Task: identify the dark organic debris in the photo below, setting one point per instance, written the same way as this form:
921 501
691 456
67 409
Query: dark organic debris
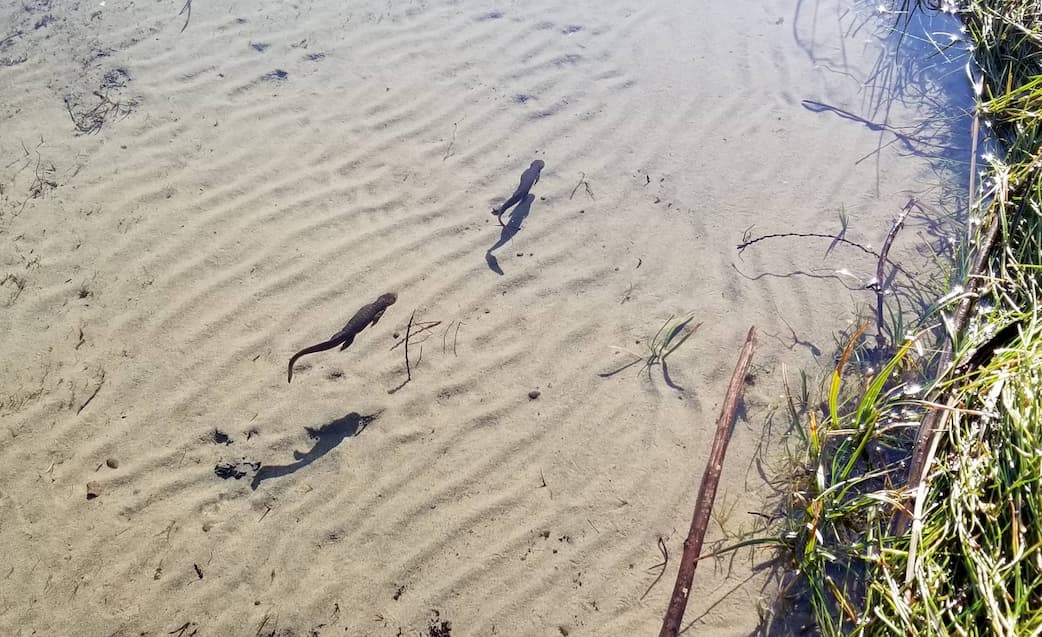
570 59
237 470
275 76
438 628
115 78
91 120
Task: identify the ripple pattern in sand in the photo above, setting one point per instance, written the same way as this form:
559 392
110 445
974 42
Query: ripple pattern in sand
284 165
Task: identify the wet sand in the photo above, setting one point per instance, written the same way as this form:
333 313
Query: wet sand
182 210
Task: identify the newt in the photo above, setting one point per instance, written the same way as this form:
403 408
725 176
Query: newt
528 179
366 316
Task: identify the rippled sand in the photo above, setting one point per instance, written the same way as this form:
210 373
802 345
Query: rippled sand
181 211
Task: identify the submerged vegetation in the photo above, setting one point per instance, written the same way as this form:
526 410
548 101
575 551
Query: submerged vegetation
917 505
670 336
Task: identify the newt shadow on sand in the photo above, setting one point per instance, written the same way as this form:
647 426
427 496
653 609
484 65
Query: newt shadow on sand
529 178
327 438
512 227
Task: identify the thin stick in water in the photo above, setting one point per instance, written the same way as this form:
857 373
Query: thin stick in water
408 329
187 8
707 492
880 287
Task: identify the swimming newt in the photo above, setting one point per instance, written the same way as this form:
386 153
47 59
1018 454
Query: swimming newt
528 179
366 316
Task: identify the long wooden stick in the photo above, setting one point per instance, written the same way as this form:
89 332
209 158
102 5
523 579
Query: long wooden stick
707 492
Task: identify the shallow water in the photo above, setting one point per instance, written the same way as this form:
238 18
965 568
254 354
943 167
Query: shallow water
187 200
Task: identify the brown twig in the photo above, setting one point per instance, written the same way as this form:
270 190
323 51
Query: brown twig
836 238
582 182
95 393
746 241
186 8
880 287
445 337
448 151
408 364
408 329
707 492
421 328
664 564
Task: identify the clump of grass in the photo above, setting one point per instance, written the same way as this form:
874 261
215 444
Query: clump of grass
840 502
673 333
970 561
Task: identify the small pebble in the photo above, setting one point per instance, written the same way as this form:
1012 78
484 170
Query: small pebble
520 254
93 490
112 463
532 395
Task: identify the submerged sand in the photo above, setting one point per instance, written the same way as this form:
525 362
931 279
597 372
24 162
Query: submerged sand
183 209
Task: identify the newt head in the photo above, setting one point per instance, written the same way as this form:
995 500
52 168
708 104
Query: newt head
387 299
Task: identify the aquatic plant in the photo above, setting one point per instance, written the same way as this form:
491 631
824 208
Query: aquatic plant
673 333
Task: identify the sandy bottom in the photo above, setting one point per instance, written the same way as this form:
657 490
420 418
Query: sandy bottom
182 210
